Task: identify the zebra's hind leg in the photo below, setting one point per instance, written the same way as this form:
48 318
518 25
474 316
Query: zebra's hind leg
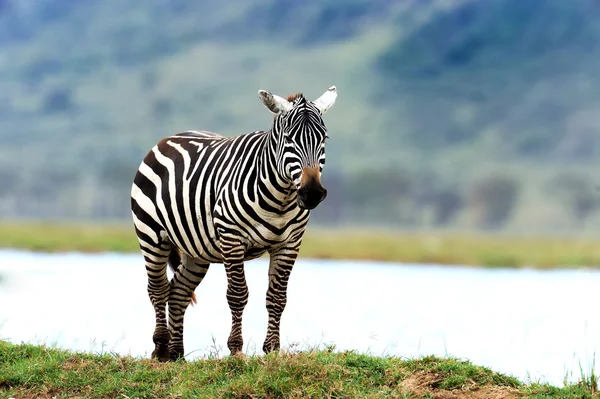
158 290
186 278
280 266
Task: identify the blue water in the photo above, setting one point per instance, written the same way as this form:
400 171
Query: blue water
537 325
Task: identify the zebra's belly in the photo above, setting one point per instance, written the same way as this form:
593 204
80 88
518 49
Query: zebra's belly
254 253
206 247
196 238
264 238
257 237
217 257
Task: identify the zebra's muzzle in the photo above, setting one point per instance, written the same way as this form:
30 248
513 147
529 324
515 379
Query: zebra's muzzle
311 191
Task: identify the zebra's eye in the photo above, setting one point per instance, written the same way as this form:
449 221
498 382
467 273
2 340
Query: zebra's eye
287 138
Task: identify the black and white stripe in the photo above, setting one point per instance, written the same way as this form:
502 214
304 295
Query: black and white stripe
200 198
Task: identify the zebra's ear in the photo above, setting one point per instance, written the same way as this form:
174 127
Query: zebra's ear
274 103
327 100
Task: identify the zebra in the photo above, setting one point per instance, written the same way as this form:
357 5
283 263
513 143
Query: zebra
199 198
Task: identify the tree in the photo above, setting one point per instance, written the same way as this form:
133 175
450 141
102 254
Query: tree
576 193
493 199
446 205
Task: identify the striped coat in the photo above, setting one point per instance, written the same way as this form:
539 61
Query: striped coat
200 198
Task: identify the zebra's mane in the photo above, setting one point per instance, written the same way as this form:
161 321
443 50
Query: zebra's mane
293 97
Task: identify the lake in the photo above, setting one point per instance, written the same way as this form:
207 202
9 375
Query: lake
532 324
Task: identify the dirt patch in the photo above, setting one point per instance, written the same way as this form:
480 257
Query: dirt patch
424 383
49 393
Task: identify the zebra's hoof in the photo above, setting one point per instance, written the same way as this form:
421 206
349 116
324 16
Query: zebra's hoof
176 354
177 358
161 353
236 350
238 355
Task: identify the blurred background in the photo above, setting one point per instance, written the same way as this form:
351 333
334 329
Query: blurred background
453 114
454 118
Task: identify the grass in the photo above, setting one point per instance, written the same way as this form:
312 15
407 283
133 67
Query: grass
39 371
485 250
59 237
589 378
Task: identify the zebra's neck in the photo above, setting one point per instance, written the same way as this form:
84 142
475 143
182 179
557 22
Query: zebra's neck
272 184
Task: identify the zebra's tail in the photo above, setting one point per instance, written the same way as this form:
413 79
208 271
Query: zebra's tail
174 262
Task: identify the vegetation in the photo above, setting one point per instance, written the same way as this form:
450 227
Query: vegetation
37 371
51 237
451 113
488 250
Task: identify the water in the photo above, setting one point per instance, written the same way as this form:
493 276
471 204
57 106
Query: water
535 325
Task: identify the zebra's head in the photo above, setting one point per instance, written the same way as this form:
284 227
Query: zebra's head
301 134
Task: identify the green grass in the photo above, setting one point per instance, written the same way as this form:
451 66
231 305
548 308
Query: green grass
59 237
38 371
485 250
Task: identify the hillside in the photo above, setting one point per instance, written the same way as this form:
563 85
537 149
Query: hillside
519 75
31 371
451 113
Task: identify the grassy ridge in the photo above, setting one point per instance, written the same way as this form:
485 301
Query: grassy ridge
37 371
444 248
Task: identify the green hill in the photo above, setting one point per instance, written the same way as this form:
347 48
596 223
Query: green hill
34 371
451 113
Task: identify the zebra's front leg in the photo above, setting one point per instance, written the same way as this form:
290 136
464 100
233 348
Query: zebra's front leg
280 266
185 280
237 292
